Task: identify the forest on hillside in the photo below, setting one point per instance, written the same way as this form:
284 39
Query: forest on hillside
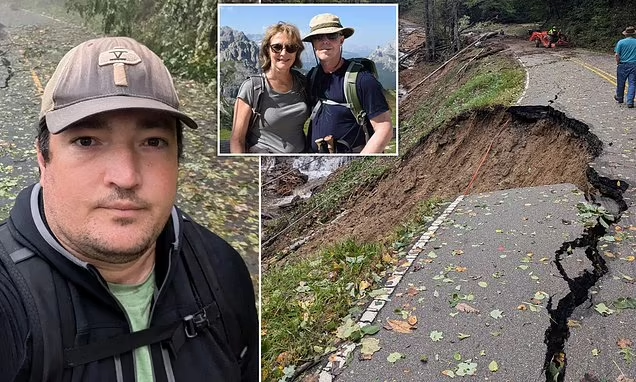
594 24
184 31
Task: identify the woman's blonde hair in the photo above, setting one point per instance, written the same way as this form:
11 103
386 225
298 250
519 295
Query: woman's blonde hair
292 33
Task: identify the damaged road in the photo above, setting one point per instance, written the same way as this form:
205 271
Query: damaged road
524 284
502 273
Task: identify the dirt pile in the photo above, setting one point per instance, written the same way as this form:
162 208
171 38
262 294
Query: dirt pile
478 152
519 147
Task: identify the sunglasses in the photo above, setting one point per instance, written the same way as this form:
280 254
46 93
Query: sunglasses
277 48
329 36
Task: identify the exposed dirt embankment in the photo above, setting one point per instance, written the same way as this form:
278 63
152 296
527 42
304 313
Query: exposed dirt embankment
501 148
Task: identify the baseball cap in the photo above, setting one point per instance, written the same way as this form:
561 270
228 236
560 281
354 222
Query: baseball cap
105 74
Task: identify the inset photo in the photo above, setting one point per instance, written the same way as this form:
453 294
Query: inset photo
307 79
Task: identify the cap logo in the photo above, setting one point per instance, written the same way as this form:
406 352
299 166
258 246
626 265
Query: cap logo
119 58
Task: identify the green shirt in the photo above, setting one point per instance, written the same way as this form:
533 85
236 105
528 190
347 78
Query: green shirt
137 300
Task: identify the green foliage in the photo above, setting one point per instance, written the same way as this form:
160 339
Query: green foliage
589 214
359 175
180 31
486 89
495 82
303 303
486 10
117 16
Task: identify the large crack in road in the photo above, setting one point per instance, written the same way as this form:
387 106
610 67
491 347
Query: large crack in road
557 334
9 70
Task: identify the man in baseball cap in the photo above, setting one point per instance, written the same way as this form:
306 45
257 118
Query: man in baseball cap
625 53
101 276
332 117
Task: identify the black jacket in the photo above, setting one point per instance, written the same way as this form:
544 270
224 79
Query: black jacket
87 313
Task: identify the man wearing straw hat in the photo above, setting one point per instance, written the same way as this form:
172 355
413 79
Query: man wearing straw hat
626 67
332 115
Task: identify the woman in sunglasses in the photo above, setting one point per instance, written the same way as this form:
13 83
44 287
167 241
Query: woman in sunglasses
271 109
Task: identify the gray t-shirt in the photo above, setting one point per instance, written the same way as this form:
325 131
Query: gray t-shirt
283 116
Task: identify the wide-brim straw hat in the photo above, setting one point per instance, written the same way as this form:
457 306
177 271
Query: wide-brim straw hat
326 23
629 31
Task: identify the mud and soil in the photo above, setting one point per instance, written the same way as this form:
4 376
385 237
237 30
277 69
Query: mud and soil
524 153
521 150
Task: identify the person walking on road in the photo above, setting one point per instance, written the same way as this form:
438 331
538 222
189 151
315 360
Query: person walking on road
102 278
626 66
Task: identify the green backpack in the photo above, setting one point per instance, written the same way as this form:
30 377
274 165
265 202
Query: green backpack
353 103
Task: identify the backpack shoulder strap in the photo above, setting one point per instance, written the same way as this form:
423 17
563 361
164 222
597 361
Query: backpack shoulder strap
353 99
258 86
351 91
311 79
302 79
21 263
203 273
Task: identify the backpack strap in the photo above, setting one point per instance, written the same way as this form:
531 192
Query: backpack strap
352 100
11 252
258 84
351 96
203 273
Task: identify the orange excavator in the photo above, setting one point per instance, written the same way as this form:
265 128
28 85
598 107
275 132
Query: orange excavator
549 40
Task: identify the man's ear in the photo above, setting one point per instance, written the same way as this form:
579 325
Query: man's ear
41 161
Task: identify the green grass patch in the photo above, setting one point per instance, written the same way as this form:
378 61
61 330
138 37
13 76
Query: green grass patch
489 88
225 134
416 223
303 303
498 81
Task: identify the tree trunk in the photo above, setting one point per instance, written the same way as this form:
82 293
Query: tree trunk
455 12
431 32
427 28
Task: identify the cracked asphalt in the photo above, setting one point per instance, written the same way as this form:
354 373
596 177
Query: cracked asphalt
496 252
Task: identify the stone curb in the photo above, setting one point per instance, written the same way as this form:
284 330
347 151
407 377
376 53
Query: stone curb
338 360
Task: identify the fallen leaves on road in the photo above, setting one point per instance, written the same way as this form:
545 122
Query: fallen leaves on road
496 313
369 347
393 357
449 373
493 366
436 336
603 309
625 303
466 368
624 343
400 326
463 307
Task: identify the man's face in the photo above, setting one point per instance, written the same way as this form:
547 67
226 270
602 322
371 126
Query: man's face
328 46
110 184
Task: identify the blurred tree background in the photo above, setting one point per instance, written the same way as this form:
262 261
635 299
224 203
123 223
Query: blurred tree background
182 32
594 24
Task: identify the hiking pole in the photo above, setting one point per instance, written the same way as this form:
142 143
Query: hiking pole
330 144
320 142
